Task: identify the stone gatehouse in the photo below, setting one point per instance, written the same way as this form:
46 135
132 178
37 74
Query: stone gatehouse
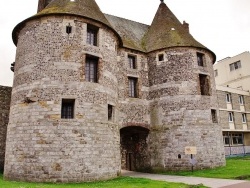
94 93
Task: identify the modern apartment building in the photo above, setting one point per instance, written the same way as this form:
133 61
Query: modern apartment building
232 78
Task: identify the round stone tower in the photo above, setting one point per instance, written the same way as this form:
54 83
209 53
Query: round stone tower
62 126
183 97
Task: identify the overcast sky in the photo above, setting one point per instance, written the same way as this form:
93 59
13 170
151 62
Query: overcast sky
221 25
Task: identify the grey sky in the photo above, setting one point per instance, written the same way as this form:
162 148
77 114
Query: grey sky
221 25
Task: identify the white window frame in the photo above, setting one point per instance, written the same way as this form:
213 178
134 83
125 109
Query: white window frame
230 116
244 118
228 98
241 100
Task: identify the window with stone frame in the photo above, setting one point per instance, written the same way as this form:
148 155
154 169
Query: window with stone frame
200 59
92 33
110 112
215 73
228 98
132 84
214 116
226 138
244 118
230 116
241 99
67 108
91 69
204 84
132 61
235 65
161 57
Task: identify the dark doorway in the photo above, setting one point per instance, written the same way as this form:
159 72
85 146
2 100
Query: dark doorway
134 149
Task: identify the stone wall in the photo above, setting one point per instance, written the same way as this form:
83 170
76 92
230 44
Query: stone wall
41 146
5 96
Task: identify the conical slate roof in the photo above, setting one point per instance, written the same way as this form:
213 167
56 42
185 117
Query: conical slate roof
85 8
167 31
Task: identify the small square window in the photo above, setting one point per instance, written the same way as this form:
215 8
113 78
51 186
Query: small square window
214 116
200 59
160 57
92 35
132 61
110 112
67 110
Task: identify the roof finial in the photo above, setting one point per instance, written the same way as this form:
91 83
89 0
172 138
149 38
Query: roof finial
162 1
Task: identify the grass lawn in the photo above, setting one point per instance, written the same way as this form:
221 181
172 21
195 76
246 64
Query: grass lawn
236 168
121 182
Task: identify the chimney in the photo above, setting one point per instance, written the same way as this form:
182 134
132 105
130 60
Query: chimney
42 4
186 26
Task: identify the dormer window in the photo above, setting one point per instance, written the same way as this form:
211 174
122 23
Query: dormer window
92 32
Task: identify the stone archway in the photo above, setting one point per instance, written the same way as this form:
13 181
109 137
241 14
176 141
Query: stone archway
134 148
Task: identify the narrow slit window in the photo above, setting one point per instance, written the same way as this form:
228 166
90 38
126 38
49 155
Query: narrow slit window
230 117
91 66
228 98
132 87
214 116
67 110
110 112
241 99
244 118
68 29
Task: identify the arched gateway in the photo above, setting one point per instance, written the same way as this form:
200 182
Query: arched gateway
134 148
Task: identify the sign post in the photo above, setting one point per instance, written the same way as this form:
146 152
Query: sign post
191 150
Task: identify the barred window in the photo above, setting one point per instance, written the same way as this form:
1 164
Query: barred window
92 35
91 66
132 87
132 62
67 110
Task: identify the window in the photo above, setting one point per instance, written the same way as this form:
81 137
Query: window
91 66
68 29
215 72
110 112
132 87
67 111
228 97
235 65
92 35
131 61
226 139
204 84
230 117
200 57
160 57
237 139
214 116
241 99
244 118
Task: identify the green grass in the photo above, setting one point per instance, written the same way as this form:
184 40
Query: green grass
121 182
236 168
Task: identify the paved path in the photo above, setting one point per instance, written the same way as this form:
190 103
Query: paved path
210 182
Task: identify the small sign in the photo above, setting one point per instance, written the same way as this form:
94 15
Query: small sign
190 150
193 161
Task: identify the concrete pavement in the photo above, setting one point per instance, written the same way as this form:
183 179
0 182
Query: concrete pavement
210 182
